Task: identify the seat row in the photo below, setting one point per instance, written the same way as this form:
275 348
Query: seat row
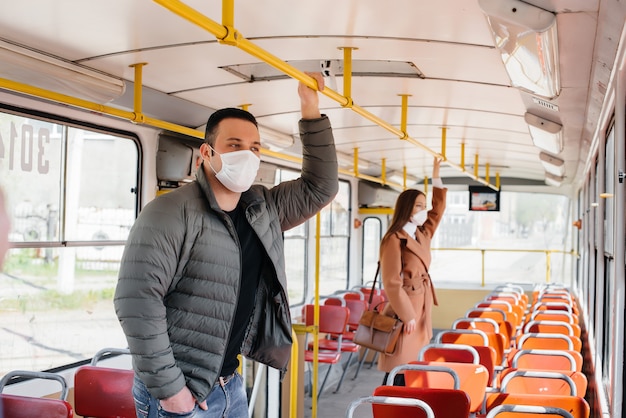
99 392
339 316
503 357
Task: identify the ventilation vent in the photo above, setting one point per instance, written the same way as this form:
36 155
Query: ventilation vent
546 104
371 68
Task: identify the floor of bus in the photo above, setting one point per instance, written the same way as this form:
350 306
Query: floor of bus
336 404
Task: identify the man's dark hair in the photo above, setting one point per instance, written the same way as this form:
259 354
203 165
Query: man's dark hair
219 115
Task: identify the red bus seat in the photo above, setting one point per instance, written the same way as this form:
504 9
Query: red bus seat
14 406
447 403
102 392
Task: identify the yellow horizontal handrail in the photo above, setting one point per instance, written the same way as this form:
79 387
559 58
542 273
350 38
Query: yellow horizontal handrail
231 36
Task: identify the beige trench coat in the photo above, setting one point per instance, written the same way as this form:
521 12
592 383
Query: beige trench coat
404 262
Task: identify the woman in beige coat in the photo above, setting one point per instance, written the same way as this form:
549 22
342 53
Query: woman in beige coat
404 260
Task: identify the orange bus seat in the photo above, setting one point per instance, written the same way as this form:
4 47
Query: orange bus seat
531 379
537 382
16 406
461 353
514 313
447 403
470 378
474 337
527 411
537 359
553 327
487 324
553 315
458 353
548 341
575 405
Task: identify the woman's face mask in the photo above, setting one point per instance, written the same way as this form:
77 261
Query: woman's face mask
239 169
420 217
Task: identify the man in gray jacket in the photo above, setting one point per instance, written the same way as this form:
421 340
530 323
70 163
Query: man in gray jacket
202 278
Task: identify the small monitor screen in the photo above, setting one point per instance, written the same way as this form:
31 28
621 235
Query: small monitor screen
484 198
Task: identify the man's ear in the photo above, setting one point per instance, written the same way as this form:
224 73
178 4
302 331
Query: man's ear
204 150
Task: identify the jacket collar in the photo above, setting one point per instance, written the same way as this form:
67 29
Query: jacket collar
411 244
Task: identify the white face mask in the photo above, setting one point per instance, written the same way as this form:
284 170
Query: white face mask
420 217
239 169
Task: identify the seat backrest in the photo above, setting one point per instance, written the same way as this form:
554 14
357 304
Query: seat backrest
26 407
532 381
493 313
470 378
549 341
474 337
499 315
459 353
527 411
104 392
553 315
575 405
538 382
538 359
15 406
554 327
447 403
353 294
356 307
553 306
487 324
332 319
421 408
514 313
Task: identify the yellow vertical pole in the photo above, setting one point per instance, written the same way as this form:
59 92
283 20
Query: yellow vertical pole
404 178
316 317
137 90
482 269
463 156
347 71
476 165
356 162
548 266
497 180
228 13
383 170
425 184
294 375
443 141
404 113
487 172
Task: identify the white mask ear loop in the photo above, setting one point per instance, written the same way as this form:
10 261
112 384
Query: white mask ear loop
213 152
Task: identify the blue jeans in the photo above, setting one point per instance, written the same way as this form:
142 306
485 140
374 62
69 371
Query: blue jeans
227 401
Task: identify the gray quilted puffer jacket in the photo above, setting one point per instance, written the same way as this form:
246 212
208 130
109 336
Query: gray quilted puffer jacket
179 276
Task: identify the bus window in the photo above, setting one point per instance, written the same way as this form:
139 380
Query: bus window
517 235
296 252
334 241
372 235
72 196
